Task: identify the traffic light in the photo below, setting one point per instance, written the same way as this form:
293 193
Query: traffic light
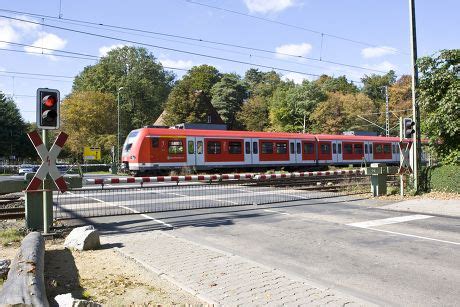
48 108
409 129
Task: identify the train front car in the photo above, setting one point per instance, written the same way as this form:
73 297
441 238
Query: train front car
132 153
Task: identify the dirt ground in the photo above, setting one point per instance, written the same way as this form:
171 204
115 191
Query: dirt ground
103 276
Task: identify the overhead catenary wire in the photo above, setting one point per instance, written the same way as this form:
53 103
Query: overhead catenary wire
86 23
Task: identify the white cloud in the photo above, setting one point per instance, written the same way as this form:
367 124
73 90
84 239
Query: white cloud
49 41
384 66
283 52
7 33
105 49
295 77
14 30
177 64
268 6
375 52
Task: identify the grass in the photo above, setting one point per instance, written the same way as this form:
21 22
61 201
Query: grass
10 235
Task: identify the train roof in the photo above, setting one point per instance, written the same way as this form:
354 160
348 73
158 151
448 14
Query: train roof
269 135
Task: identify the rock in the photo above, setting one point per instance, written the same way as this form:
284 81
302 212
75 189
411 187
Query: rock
83 238
66 300
4 268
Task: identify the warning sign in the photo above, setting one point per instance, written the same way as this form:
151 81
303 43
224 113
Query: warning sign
91 153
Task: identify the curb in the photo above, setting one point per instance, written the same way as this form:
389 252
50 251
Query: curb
25 284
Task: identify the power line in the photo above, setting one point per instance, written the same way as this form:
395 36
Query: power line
86 23
32 78
39 53
291 25
33 74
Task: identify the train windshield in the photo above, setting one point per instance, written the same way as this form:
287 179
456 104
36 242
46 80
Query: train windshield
130 140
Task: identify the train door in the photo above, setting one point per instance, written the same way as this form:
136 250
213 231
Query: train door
368 155
255 151
247 152
298 151
199 151
339 158
191 149
292 152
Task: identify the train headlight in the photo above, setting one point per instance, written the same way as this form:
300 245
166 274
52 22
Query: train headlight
133 157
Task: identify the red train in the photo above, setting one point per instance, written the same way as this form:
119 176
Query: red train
147 150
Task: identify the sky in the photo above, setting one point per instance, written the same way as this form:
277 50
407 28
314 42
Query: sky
300 39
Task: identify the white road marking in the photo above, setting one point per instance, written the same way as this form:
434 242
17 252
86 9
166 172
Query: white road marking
126 208
414 236
391 220
182 195
279 212
227 201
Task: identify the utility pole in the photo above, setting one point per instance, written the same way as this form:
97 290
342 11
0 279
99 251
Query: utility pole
387 113
415 108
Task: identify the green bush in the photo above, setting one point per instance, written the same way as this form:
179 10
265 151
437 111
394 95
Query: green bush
445 178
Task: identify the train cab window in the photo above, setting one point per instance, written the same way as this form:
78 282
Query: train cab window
247 147
281 148
155 142
308 148
214 148
378 148
325 148
387 148
267 147
175 147
365 148
299 148
128 147
291 147
234 147
334 148
191 147
347 148
339 148
255 148
358 148
199 147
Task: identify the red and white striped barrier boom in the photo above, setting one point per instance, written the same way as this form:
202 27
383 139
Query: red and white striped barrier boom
200 178
48 162
190 178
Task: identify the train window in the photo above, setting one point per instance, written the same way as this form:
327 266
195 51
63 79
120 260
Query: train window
387 148
247 146
255 148
155 142
365 148
394 148
370 148
281 148
397 149
291 147
199 147
299 148
267 147
334 148
308 148
347 148
128 147
358 148
175 147
340 148
378 148
325 148
191 147
214 148
234 147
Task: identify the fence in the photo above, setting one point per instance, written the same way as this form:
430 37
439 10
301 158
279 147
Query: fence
157 194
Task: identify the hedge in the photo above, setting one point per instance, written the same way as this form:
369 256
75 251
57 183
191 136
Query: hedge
445 178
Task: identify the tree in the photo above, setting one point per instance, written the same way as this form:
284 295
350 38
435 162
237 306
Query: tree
400 100
291 106
338 113
227 98
145 83
254 114
439 98
190 99
13 131
339 84
374 85
90 117
262 83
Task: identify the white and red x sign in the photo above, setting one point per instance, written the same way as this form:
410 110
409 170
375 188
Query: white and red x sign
404 167
49 162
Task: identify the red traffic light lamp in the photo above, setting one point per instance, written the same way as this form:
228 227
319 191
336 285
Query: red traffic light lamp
409 128
48 108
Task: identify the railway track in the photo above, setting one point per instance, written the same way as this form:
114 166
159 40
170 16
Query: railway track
12 213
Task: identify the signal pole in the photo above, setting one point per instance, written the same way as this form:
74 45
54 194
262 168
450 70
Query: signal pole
415 107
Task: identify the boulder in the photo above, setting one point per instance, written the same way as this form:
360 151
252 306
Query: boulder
4 268
66 300
83 238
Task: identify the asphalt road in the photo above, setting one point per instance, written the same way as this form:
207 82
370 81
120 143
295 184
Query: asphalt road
413 260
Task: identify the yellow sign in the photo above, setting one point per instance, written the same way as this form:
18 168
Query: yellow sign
91 153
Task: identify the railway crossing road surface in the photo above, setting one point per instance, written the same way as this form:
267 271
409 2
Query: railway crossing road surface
336 251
